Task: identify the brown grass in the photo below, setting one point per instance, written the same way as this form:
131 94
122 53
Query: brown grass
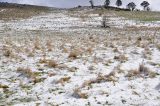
121 58
63 80
30 74
51 74
142 71
74 53
49 45
7 52
43 60
15 13
31 53
26 71
78 94
110 77
4 86
52 63
37 44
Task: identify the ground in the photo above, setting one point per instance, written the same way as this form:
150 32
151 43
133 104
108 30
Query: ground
65 58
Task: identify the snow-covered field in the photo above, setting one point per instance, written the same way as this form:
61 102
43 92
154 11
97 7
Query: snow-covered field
67 59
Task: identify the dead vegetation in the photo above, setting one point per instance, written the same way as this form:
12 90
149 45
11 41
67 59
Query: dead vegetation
4 86
75 53
78 94
101 78
12 12
63 80
69 60
52 63
49 45
34 76
142 71
121 58
7 52
26 71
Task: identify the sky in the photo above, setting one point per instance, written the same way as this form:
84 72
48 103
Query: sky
154 4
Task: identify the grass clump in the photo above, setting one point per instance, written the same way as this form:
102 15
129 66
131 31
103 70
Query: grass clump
52 64
74 54
26 71
142 71
78 94
34 76
4 86
140 15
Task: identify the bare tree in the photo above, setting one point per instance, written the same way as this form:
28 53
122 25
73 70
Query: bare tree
104 22
145 4
131 6
92 4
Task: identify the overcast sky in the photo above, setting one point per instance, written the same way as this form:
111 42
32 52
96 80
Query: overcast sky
154 4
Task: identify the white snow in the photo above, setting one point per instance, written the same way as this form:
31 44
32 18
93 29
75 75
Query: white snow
67 33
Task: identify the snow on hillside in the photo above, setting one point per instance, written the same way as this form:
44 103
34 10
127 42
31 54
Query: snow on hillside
57 59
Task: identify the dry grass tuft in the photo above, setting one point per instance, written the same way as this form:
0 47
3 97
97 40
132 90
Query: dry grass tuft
72 69
74 54
142 71
43 60
31 54
133 73
146 71
78 94
139 38
65 50
89 50
121 58
158 46
62 66
91 67
30 74
7 51
100 78
37 44
116 50
49 45
52 63
26 71
153 74
51 74
63 80
3 86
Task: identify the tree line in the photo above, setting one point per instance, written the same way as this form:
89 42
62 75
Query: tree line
131 5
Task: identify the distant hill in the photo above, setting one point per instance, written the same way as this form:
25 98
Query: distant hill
13 11
13 5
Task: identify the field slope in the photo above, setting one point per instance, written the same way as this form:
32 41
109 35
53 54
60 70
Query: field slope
64 57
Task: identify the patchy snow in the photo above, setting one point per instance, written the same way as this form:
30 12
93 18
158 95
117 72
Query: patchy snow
40 70
63 22
2 10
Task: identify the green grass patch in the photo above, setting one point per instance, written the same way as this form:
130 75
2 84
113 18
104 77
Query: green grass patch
16 13
140 15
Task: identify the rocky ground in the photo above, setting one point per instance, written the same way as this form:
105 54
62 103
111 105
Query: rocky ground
65 58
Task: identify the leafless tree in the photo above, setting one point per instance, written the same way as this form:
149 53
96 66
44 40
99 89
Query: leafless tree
104 22
92 4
